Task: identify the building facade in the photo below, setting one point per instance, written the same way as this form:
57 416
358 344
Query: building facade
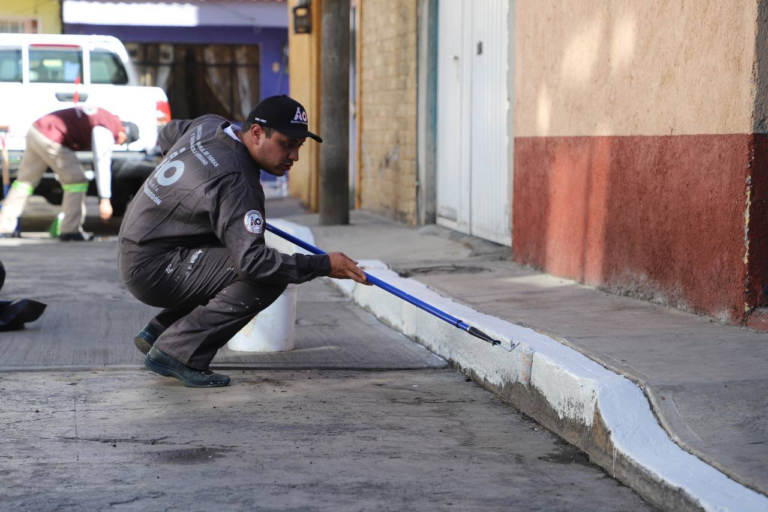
42 17
639 162
620 144
304 69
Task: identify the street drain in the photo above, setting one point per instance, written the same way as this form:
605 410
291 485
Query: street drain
440 269
187 457
566 454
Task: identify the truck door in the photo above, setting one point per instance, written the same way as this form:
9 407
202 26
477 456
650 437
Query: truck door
12 93
109 88
55 79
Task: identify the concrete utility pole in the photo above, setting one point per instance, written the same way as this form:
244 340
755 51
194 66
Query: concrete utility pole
334 113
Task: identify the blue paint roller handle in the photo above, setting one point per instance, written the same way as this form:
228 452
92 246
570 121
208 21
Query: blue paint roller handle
394 291
372 279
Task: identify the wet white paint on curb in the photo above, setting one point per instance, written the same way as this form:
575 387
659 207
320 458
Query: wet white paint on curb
573 384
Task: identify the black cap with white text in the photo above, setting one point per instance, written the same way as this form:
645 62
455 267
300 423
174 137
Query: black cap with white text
283 114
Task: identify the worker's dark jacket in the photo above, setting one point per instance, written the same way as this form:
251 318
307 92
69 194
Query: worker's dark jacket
206 192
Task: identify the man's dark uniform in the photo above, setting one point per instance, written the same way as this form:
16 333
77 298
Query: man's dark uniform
193 242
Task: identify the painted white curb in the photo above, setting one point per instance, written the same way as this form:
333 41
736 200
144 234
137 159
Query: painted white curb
282 245
573 384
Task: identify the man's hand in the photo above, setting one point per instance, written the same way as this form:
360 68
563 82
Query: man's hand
105 209
344 268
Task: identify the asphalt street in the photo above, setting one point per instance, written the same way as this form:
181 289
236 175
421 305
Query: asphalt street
356 418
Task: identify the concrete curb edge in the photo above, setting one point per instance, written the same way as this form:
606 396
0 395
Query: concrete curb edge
602 413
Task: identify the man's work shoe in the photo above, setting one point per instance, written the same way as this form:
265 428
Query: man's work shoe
79 236
165 365
146 338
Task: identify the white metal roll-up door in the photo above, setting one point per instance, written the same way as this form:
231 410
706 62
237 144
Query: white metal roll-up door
473 176
490 206
452 102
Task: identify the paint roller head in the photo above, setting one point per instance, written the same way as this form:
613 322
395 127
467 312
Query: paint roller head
506 347
480 334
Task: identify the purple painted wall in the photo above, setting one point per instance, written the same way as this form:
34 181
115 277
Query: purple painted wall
271 40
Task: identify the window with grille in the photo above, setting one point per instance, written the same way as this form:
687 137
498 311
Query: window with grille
19 26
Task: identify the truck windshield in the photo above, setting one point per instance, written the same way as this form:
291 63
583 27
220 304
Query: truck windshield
10 64
106 68
55 64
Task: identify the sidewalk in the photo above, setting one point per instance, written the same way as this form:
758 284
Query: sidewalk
706 382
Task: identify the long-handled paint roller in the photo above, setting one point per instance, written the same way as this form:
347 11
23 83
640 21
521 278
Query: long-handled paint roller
442 315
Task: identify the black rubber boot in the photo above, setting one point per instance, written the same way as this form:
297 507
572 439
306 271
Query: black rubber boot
146 338
165 365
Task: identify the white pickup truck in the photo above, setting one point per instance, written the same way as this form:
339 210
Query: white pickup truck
42 73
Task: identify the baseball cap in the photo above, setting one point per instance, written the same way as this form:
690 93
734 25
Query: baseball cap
283 114
131 131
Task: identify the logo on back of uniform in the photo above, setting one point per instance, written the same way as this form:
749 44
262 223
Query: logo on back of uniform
300 117
254 222
164 178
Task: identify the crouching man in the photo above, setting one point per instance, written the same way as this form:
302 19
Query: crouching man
193 239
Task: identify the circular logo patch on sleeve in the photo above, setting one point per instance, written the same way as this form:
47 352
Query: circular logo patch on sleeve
254 222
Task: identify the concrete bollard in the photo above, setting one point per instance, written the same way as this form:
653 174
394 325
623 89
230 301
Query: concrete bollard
273 330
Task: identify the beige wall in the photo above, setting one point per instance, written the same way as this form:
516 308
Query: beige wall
642 67
388 108
304 69
47 13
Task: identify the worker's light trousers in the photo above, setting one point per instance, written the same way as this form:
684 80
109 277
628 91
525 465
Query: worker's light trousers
41 153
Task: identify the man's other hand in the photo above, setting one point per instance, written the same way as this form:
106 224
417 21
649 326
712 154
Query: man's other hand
344 268
105 209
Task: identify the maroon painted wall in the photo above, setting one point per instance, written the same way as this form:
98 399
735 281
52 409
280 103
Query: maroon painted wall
657 217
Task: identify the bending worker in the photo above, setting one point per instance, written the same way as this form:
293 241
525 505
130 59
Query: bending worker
51 142
193 239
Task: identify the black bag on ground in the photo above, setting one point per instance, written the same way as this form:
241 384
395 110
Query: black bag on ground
14 314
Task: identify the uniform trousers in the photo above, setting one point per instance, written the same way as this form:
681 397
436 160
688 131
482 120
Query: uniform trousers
39 154
205 301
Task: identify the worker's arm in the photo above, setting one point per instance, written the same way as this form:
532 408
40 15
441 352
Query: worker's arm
102 140
172 132
237 216
344 267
